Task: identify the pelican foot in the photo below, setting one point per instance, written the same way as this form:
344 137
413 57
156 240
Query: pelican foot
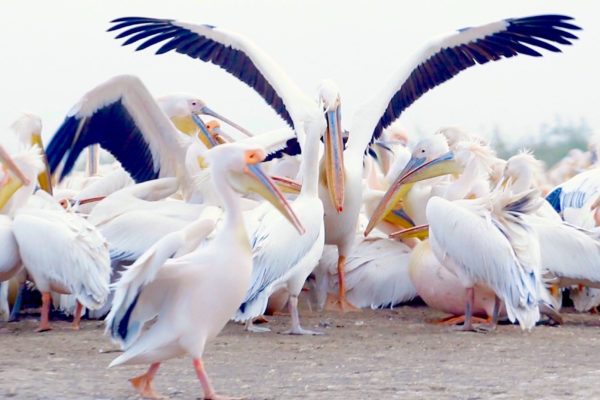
341 305
479 328
258 329
144 387
457 320
301 331
261 319
43 328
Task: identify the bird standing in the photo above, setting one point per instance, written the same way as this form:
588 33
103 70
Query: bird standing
192 299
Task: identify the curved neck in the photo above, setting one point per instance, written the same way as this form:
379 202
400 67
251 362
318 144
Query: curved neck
310 164
523 182
233 223
461 188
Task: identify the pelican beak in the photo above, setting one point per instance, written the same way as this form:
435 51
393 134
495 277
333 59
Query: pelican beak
220 136
207 111
334 157
419 232
287 185
185 124
11 184
44 180
399 217
416 170
258 182
205 136
6 159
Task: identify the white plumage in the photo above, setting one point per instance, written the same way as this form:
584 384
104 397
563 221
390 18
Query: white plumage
502 254
376 273
194 295
73 258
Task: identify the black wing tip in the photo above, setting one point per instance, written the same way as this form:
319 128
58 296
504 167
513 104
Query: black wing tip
130 19
552 19
120 23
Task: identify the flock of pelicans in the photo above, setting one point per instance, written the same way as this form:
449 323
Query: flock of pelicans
178 225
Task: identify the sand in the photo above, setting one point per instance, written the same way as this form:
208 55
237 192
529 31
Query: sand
384 354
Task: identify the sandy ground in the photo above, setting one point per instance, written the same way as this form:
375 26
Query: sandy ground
386 354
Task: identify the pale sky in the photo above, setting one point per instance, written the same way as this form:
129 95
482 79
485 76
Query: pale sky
54 51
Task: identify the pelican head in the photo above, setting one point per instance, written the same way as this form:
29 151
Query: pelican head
185 111
329 98
240 162
28 128
430 158
214 128
523 170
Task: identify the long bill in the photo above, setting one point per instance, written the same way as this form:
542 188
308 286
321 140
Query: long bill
287 185
416 170
205 136
44 180
207 111
419 232
262 185
12 183
334 158
398 217
217 133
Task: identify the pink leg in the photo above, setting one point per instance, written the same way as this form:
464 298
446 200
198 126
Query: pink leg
143 383
468 325
209 391
44 318
77 316
341 303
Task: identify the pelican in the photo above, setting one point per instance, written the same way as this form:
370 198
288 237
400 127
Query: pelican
192 299
282 259
74 258
570 255
578 199
437 62
122 116
28 128
10 260
436 285
376 271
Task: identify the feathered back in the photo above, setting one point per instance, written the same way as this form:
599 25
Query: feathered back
482 153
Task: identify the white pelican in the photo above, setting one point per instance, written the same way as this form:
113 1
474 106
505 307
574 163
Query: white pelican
503 254
569 255
437 62
133 218
503 239
28 128
578 199
10 260
435 284
192 299
122 116
281 257
376 274
74 258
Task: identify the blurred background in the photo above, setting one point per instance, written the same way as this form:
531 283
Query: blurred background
53 52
